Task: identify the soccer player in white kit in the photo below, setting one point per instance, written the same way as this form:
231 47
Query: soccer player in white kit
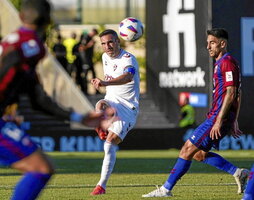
121 79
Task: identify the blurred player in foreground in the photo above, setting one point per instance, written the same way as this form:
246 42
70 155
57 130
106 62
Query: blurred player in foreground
121 74
249 191
221 119
20 51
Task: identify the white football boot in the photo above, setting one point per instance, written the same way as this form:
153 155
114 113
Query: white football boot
241 176
159 192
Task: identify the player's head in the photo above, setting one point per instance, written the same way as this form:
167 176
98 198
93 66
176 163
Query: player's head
110 42
35 12
220 33
217 40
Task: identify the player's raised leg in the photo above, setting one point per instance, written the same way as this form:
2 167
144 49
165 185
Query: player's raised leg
101 106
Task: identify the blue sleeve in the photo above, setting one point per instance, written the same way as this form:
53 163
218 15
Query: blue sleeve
129 69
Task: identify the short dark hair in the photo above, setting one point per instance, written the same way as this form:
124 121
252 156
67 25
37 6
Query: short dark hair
95 31
59 37
36 12
220 33
107 32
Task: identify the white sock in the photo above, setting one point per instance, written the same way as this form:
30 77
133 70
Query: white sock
163 188
237 172
108 163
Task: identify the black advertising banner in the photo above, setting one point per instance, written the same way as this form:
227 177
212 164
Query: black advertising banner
87 140
177 59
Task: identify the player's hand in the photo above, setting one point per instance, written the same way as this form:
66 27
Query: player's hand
17 119
96 82
236 132
215 131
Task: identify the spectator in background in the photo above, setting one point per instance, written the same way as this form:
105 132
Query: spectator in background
89 50
80 64
69 44
84 59
187 112
60 52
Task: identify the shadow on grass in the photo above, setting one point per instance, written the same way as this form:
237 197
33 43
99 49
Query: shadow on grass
132 165
78 164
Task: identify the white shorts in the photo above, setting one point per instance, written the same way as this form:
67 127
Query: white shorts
126 119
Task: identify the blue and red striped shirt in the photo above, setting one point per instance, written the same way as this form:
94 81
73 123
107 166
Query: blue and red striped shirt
226 73
20 51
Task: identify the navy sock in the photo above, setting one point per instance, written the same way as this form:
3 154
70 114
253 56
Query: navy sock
249 192
30 186
219 162
180 168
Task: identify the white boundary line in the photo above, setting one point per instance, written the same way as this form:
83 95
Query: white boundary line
124 185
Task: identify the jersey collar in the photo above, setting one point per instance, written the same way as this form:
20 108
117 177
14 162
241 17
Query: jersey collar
218 61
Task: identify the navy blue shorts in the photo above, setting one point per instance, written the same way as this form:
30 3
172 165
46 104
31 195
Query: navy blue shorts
201 135
15 144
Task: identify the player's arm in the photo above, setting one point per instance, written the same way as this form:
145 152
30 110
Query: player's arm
228 100
41 101
236 132
126 77
8 59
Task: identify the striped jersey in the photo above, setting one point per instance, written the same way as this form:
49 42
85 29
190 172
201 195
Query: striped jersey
20 51
226 73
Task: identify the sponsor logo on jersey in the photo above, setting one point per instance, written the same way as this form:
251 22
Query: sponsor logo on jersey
30 48
229 76
127 55
114 67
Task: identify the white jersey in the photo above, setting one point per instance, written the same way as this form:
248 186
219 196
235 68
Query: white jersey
126 94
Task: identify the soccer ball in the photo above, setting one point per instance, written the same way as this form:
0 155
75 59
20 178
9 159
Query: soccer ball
131 29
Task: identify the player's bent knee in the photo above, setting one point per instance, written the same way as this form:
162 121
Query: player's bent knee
188 150
101 105
36 162
199 156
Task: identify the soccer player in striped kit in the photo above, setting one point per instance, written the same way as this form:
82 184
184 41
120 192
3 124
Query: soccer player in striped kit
20 52
221 119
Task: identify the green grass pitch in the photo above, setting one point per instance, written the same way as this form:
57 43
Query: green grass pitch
135 173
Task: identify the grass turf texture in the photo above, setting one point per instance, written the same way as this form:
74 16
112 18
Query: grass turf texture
135 173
